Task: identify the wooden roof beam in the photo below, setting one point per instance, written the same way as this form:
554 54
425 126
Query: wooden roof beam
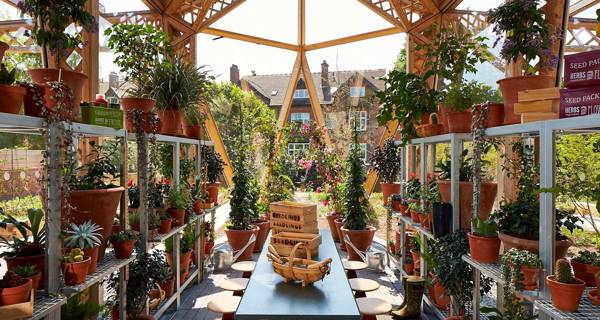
380 12
580 6
430 6
206 5
252 39
448 5
215 17
354 38
398 8
155 5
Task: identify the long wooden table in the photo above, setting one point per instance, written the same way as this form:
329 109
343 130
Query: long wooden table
268 297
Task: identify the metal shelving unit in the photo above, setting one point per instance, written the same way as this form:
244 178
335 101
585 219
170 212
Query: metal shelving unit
106 267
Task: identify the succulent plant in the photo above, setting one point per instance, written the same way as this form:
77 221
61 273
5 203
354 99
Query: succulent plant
7 77
84 235
122 236
11 280
563 271
73 255
26 271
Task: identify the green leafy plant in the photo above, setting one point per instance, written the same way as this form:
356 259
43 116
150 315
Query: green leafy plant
356 199
186 243
526 34
511 263
212 163
98 170
133 194
588 257
462 96
444 165
406 98
195 116
83 236
484 228
50 21
11 280
76 309
243 197
26 271
122 236
179 198
386 160
7 77
413 188
31 240
134 218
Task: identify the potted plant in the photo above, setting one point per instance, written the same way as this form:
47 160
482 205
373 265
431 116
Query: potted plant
75 266
484 244
87 237
179 200
153 222
335 201
123 242
29 272
407 98
14 289
413 189
193 122
409 264
165 278
209 237
461 98
200 197
134 220
415 253
165 223
386 161
356 221
524 268
185 249
399 204
92 195
414 209
28 245
133 194
528 38
12 96
213 166
586 264
565 289
176 86
50 22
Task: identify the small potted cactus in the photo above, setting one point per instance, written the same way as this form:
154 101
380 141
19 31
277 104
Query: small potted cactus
565 289
75 266
29 272
87 237
123 242
14 289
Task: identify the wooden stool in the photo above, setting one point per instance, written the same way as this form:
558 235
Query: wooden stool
246 267
352 266
227 305
371 307
237 285
361 286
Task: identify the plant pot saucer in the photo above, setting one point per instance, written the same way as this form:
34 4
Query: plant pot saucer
594 296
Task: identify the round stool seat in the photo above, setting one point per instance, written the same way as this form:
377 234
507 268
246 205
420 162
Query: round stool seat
244 266
373 306
224 304
235 284
364 285
353 265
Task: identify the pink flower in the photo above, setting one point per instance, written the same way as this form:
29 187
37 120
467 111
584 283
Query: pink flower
318 190
326 203
130 183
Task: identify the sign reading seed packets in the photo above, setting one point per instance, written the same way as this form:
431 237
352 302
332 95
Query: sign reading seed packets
579 102
582 69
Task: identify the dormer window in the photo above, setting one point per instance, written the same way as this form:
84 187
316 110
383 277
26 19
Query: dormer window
357 92
301 94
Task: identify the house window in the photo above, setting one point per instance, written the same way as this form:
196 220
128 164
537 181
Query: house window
296 148
357 92
359 119
301 94
330 121
302 117
362 152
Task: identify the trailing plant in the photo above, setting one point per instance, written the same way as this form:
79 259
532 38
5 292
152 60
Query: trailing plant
50 21
98 170
356 199
212 163
7 78
386 160
83 236
122 236
26 271
406 97
31 238
78 309
527 34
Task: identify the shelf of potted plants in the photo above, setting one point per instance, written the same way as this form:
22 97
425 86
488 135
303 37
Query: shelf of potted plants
107 266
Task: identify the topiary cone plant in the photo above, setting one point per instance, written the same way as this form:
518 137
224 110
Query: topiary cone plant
356 205
565 289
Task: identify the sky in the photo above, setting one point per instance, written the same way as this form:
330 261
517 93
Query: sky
277 20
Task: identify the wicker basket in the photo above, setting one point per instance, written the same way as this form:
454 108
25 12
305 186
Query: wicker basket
284 242
296 269
156 296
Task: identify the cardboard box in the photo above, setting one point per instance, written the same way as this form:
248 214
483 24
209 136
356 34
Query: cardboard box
100 116
579 102
582 69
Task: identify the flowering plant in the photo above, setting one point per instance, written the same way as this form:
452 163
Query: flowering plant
527 34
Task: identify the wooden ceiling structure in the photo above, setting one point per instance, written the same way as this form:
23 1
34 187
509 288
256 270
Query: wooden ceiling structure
183 19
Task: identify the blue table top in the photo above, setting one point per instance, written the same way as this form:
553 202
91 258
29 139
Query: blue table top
268 297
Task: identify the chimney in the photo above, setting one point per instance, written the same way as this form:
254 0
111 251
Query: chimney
324 74
234 74
113 80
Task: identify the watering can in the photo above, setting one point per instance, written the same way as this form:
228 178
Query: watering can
224 257
375 260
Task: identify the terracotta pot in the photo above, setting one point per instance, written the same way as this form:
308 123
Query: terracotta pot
484 249
12 98
178 215
208 246
184 260
495 116
530 277
193 132
404 210
409 268
35 108
392 248
565 296
3 47
331 222
75 80
93 254
35 280
39 261
585 272
429 130
18 294
99 206
388 189
459 122
594 296
171 122
165 226
76 272
396 205
263 232
237 240
440 295
124 249
183 277
414 216
488 196
425 118
361 239
199 206
510 241
339 222
168 286
510 88
443 116
136 227
136 103
115 228
398 235
213 192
